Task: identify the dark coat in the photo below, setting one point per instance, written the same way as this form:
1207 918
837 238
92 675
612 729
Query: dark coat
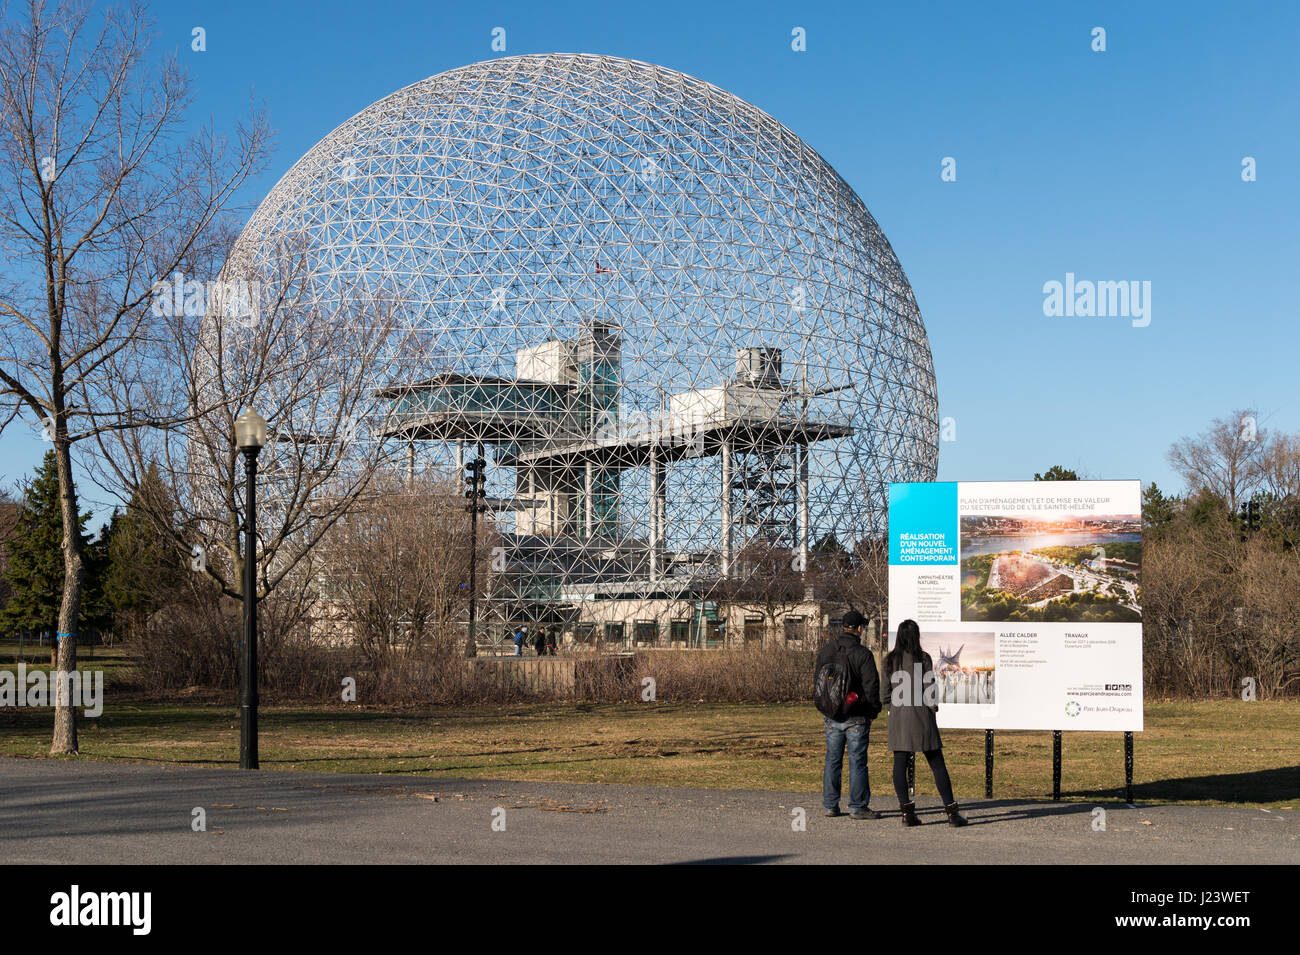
864 679
912 726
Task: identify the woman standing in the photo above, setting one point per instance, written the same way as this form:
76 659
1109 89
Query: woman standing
907 677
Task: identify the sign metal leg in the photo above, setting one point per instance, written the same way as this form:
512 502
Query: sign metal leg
1128 767
1056 765
988 764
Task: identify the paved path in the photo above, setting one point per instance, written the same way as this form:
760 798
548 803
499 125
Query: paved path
100 812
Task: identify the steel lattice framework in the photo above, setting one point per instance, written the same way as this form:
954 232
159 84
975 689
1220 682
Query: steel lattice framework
674 326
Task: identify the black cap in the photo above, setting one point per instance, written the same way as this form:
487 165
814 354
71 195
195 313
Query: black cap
852 620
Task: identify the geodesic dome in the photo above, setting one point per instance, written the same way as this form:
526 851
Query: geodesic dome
673 325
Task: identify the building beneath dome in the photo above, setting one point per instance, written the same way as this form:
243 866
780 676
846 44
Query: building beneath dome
555 428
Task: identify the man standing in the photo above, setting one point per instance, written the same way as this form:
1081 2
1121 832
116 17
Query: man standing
848 695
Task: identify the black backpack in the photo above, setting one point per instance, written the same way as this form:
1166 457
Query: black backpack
831 685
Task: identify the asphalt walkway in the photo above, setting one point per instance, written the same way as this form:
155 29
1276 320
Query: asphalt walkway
67 811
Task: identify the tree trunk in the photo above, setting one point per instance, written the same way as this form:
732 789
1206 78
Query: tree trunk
65 711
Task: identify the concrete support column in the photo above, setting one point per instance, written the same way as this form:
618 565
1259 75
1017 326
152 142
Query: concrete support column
804 521
656 527
410 463
589 513
802 452
460 462
661 503
532 501
726 508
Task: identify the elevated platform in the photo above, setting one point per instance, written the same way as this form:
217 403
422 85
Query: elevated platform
671 439
455 407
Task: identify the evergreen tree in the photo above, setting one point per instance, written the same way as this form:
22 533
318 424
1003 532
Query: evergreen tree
96 611
1207 509
1158 508
34 565
8 520
829 544
1057 473
144 571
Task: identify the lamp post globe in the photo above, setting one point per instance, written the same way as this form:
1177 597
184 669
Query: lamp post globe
250 431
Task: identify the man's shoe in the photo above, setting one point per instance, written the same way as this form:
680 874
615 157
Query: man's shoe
908 809
832 813
955 818
866 814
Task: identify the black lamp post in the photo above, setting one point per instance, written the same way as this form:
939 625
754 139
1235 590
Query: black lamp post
250 437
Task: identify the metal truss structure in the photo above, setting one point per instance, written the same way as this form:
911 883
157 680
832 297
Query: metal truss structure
674 327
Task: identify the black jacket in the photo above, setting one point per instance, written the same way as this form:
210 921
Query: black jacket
864 680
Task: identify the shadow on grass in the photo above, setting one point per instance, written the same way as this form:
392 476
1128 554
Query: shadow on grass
1262 786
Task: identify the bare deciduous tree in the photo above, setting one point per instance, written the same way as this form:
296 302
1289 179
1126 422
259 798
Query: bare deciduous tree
311 368
766 579
1190 587
865 585
1280 466
1225 459
395 570
103 193
1270 625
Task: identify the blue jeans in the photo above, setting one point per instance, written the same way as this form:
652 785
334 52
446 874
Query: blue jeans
853 734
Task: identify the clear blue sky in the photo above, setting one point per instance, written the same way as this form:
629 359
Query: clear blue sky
1122 165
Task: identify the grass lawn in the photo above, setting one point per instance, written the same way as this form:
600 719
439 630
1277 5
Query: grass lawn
1221 752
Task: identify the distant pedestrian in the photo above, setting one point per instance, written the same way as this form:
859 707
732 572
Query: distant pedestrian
539 642
552 640
909 690
847 694
520 635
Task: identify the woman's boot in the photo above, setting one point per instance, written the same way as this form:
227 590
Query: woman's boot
955 819
909 813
